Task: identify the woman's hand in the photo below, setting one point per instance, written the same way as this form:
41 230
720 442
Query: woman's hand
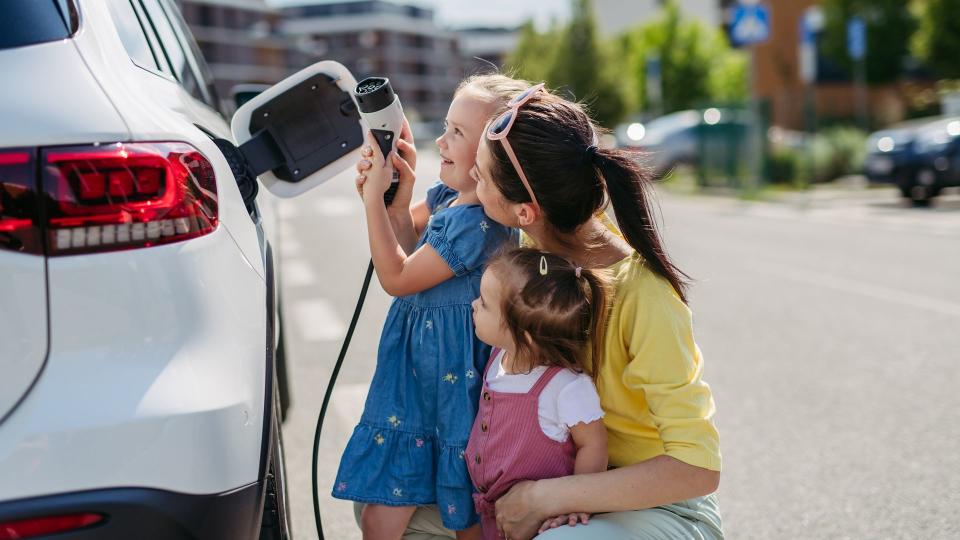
518 515
408 153
559 521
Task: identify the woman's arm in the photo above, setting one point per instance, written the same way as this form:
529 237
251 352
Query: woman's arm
655 482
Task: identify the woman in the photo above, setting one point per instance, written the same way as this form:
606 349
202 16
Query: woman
539 169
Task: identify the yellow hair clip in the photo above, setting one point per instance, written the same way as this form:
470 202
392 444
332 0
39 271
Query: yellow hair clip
543 265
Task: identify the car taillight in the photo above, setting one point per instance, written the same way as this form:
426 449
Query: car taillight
30 528
18 202
126 195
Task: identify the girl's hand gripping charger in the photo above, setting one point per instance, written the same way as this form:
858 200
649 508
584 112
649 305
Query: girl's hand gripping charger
382 113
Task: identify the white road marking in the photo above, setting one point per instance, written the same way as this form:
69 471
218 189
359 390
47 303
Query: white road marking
879 292
348 401
318 321
291 247
896 220
287 209
297 273
337 206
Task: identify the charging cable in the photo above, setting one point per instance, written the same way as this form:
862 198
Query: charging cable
329 392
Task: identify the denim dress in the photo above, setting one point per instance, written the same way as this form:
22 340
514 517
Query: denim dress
408 447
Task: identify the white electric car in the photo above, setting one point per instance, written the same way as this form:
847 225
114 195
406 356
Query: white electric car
140 341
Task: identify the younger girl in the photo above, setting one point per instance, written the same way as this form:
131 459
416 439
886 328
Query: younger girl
408 448
539 414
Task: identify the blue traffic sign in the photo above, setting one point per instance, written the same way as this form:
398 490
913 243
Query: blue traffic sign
856 38
751 24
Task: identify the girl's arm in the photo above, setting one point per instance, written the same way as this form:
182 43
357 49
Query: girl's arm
655 482
409 223
591 442
399 274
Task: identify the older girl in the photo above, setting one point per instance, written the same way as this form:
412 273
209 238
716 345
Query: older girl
407 450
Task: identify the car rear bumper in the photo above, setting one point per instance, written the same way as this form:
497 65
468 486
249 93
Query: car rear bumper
148 514
155 376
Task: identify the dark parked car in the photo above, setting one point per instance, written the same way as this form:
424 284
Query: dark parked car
918 156
938 157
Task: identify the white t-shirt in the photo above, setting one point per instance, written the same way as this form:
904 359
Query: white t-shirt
567 400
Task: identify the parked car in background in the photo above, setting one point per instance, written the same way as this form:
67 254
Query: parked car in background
937 147
918 156
676 138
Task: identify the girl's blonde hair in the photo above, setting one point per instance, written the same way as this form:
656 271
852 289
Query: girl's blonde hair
555 312
496 89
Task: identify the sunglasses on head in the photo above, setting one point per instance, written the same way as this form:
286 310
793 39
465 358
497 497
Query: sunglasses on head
498 129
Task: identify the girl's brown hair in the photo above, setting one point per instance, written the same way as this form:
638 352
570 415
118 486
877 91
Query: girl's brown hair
572 182
554 317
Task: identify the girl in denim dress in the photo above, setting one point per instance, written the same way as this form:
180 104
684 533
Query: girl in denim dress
408 449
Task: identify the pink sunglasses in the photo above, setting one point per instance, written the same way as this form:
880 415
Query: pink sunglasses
498 129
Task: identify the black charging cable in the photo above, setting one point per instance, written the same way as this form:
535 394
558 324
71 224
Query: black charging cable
387 198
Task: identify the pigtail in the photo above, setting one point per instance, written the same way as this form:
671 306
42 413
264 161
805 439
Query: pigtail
597 296
628 187
556 313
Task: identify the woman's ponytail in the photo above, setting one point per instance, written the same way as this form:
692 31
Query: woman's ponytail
629 189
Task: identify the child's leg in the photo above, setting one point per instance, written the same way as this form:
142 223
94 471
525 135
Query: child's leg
380 522
473 533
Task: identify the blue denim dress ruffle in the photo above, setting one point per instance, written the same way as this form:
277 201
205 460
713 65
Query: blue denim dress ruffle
408 447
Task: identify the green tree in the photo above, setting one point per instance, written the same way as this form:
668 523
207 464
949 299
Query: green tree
583 67
534 54
937 41
890 25
696 62
573 60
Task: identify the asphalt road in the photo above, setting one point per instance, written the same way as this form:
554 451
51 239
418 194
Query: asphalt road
829 325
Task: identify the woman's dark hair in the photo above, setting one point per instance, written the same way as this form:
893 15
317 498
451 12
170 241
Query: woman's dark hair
551 309
551 138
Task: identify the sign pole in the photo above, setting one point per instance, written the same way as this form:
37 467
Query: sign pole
751 26
810 25
857 49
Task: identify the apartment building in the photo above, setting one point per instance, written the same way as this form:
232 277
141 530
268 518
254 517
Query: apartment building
615 16
241 42
375 37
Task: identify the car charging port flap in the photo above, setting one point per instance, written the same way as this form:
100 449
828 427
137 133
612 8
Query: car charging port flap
304 129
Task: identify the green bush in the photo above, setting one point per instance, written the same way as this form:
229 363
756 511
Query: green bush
832 153
849 147
783 165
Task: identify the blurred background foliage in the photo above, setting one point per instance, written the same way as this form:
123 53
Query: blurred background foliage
697 63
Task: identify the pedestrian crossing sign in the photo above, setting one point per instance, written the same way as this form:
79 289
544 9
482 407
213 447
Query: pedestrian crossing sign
751 24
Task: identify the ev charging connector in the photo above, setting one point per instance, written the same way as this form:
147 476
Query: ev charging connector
381 112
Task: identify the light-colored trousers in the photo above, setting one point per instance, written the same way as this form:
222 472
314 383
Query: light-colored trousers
697 519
